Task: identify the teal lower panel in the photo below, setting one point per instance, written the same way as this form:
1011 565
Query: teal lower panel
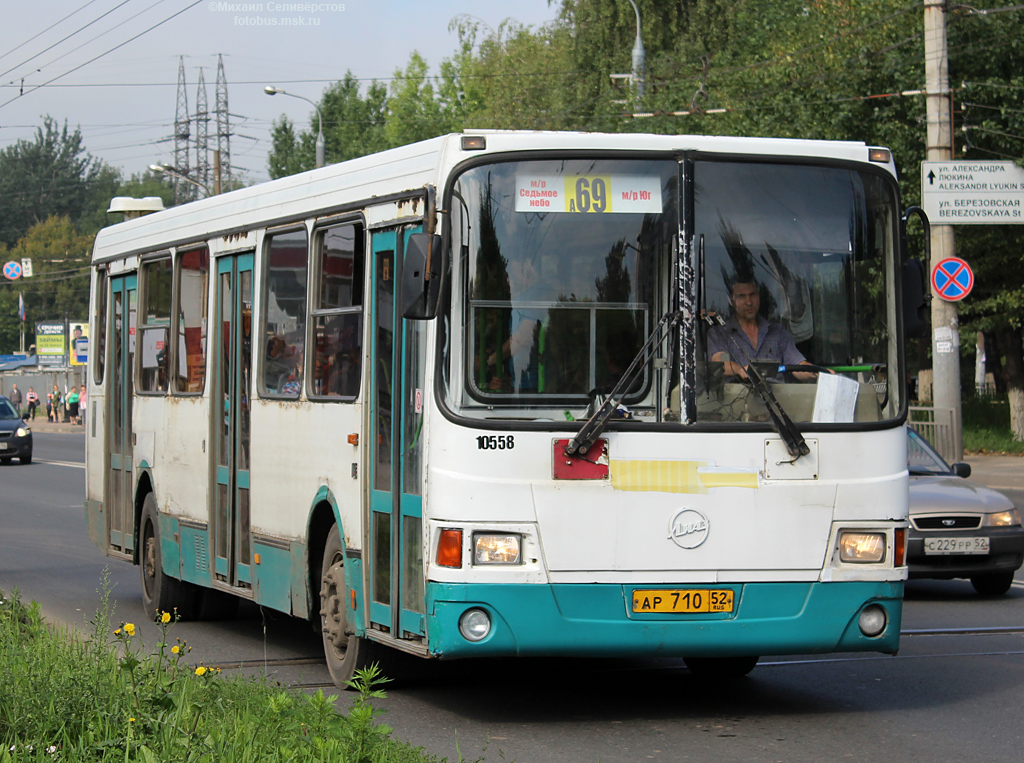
594 620
273 575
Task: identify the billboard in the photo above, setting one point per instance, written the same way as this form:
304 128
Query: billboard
50 343
79 343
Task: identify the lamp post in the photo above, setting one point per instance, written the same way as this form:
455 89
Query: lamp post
638 57
167 169
320 146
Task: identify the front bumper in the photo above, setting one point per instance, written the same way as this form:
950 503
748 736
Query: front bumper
595 620
1006 554
13 446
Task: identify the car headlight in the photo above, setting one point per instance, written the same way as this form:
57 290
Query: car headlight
22 432
1009 518
492 548
861 547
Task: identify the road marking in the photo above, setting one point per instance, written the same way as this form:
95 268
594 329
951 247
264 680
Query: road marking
73 464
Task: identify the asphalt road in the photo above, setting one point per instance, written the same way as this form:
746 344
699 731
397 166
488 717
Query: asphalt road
952 694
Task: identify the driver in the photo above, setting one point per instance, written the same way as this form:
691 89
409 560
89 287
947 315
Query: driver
747 336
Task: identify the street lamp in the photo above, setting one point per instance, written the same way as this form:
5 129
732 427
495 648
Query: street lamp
320 148
638 57
167 169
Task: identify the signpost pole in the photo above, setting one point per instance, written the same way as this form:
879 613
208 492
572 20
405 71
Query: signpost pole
945 324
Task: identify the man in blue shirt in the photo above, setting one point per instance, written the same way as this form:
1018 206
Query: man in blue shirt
746 336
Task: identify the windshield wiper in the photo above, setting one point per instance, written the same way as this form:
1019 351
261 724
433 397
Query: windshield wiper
795 442
593 426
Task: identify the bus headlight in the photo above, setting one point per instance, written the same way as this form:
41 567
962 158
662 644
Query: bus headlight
492 548
861 547
475 625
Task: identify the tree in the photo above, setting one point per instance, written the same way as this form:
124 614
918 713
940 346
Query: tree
50 175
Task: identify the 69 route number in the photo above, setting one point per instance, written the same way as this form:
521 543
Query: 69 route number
495 442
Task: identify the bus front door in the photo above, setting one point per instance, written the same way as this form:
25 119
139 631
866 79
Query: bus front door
231 397
396 414
120 488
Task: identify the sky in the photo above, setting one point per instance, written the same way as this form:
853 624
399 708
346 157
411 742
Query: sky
110 67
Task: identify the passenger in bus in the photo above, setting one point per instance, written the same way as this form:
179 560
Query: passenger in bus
275 369
747 336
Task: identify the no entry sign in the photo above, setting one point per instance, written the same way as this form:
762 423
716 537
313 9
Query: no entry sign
952 279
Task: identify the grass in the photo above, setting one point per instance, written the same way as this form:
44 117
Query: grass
987 426
106 697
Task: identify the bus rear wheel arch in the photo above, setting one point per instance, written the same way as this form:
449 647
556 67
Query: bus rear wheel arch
160 591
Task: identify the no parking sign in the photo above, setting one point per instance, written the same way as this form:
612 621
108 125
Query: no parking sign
952 279
12 270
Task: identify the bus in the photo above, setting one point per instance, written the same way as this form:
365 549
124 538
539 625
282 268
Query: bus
504 393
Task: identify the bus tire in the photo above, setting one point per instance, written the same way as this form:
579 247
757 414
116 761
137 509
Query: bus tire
345 652
720 667
161 592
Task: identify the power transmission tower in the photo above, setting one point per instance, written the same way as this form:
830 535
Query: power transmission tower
182 190
223 128
202 118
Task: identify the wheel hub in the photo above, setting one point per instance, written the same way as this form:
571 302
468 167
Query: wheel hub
332 606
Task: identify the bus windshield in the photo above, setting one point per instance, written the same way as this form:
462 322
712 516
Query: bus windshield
562 269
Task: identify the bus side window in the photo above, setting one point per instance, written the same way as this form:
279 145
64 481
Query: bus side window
155 320
193 276
338 312
284 317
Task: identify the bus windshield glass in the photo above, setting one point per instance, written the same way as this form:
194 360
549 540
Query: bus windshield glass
562 269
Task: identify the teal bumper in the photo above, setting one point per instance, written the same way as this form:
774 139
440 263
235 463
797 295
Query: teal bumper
595 620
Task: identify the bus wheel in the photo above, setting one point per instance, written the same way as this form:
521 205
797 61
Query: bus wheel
345 652
161 592
720 667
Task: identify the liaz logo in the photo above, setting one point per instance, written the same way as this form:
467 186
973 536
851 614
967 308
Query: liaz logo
688 528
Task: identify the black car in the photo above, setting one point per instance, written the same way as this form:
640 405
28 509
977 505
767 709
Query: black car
959 529
15 434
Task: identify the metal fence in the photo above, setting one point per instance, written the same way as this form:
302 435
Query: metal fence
936 426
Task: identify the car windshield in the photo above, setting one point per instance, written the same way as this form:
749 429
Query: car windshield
922 459
7 410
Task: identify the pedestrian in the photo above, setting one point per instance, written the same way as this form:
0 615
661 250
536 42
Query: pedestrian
73 405
81 405
49 407
33 402
15 398
56 404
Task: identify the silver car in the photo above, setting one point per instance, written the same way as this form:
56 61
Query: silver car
959 529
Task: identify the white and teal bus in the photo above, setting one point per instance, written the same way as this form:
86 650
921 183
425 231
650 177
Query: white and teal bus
494 394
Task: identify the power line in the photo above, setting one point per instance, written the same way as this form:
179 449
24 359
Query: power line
40 34
106 52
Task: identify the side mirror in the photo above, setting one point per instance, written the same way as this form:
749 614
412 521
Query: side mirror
24 416
421 277
915 299
962 469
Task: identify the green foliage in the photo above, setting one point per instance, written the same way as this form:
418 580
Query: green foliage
986 428
72 699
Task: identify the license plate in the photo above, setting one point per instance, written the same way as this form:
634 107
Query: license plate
3 446
683 600
956 545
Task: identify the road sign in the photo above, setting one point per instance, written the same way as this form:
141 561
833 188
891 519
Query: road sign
972 193
952 279
12 271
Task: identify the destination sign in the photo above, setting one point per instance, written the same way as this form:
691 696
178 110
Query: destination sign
973 193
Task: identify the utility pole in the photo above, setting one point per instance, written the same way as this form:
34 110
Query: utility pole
945 324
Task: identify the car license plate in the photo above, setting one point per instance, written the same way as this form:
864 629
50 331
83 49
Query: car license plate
683 600
3 446
956 545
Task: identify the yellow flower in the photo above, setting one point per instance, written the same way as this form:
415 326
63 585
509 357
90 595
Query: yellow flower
175 649
200 671
131 720
117 632
129 628
165 617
